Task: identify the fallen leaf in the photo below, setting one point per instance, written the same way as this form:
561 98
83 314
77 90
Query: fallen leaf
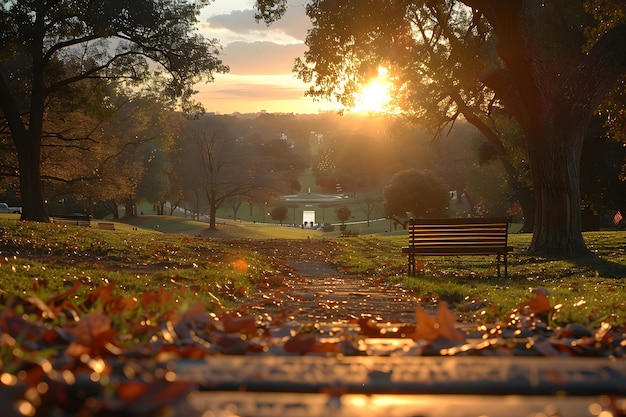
538 305
146 397
440 326
89 327
301 343
235 324
368 327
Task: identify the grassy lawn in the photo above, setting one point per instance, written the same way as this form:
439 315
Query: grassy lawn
196 264
587 290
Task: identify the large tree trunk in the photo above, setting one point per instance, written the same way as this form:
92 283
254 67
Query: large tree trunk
27 135
526 197
31 187
555 164
130 210
554 103
212 217
211 195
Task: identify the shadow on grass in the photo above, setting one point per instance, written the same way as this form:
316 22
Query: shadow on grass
598 265
603 267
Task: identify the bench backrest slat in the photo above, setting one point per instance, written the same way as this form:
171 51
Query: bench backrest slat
481 232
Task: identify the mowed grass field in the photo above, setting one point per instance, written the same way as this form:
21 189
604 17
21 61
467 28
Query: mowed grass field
171 254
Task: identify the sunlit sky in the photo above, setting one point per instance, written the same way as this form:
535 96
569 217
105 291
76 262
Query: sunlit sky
260 60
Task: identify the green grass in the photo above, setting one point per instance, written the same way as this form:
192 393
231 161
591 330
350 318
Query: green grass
197 264
226 228
46 259
585 290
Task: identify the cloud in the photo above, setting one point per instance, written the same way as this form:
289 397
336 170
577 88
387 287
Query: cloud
291 28
239 21
260 92
261 58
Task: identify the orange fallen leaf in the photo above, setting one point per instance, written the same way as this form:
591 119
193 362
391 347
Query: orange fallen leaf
233 324
89 327
368 327
145 395
538 305
132 390
440 326
300 343
102 294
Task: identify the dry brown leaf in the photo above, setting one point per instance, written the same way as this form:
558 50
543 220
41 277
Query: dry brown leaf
441 326
368 327
89 327
300 343
538 305
234 324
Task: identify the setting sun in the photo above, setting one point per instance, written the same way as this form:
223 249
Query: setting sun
375 96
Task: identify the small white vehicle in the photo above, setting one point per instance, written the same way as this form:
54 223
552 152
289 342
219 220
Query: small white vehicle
5 208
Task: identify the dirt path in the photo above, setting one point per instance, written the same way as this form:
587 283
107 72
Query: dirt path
312 289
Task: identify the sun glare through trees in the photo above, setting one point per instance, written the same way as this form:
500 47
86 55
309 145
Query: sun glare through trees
375 97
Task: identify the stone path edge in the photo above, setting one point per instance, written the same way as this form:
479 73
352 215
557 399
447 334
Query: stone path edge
409 375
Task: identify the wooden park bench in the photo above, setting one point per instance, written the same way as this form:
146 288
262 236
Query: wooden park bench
72 220
106 226
458 237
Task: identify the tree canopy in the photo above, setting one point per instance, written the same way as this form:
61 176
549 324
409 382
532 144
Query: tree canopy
50 50
418 193
547 65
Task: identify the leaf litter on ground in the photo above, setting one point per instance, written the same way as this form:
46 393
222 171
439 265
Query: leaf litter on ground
111 352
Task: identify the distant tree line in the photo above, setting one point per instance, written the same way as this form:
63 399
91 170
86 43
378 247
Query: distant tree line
143 152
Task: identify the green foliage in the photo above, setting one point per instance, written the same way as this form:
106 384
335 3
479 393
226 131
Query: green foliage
279 213
421 193
48 48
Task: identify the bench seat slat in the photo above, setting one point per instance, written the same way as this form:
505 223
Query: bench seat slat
457 250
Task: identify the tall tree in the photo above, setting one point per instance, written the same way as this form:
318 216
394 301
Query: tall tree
124 159
553 84
225 162
219 165
47 46
552 66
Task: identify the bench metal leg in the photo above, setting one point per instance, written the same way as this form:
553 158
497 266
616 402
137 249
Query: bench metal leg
506 266
498 261
502 258
411 266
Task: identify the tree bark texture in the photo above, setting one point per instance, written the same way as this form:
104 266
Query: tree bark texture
554 103
31 187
